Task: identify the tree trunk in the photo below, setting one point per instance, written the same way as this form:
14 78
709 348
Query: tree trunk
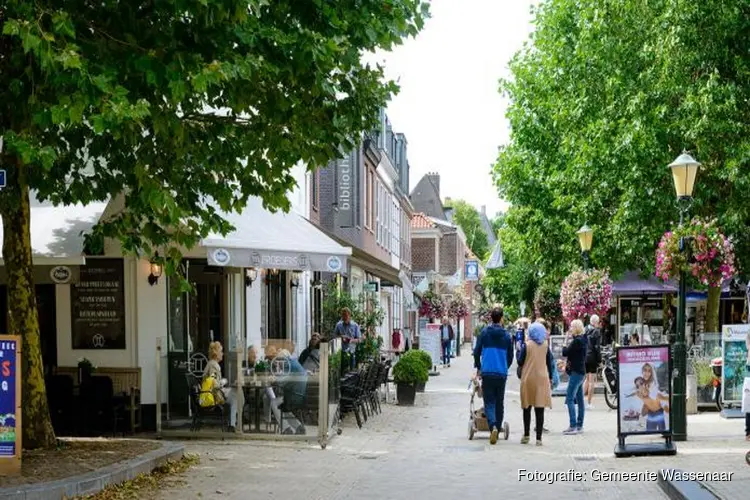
22 308
712 309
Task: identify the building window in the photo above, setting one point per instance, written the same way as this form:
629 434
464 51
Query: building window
276 305
317 302
396 229
369 203
379 211
315 197
397 292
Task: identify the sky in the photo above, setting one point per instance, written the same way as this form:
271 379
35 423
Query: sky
449 106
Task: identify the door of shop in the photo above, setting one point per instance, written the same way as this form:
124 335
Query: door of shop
196 318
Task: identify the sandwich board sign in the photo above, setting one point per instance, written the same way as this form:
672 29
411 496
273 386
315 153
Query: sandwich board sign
10 405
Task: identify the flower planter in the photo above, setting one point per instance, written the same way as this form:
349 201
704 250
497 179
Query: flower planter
406 394
420 387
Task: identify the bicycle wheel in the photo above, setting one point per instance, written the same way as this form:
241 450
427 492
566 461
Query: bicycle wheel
609 397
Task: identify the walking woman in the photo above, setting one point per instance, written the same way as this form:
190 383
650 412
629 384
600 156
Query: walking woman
536 380
575 351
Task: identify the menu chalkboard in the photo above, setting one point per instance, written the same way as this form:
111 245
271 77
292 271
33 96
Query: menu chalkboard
98 306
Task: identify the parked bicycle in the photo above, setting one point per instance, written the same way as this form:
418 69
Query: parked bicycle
609 376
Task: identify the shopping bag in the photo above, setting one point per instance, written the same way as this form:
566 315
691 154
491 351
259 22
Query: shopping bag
746 396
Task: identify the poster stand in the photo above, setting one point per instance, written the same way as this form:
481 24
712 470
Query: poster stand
556 344
734 360
632 362
429 342
10 405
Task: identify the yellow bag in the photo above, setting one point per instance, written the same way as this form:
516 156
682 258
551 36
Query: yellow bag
207 392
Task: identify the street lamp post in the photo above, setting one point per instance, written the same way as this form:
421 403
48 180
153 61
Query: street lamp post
586 238
684 172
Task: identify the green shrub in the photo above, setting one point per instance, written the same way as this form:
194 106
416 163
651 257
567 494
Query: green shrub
411 369
425 358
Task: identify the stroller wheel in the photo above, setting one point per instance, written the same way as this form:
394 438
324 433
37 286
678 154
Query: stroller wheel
471 430
506 430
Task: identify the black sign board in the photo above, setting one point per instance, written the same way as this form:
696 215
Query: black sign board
644 395
98 306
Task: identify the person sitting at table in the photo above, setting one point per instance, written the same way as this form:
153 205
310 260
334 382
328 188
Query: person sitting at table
219 384
252 358
310 357
291 379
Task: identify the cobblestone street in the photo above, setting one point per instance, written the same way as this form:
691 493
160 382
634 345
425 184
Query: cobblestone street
424 452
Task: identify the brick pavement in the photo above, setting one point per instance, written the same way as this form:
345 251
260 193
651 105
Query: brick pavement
424 452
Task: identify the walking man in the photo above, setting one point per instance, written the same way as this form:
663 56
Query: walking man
350 334
446 335
493 355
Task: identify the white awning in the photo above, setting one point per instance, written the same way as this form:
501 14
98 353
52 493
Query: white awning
263 239
56 237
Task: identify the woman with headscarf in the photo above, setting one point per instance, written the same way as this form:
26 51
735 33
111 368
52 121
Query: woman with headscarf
536 380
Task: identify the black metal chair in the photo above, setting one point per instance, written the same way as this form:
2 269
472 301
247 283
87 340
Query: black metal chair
352 390
61 401
100 406
200 413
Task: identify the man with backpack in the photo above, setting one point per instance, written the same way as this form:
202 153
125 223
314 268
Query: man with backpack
593 357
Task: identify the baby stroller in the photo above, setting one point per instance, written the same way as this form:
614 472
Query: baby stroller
477 418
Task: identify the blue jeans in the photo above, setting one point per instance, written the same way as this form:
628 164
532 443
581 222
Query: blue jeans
446 352
493 391
574 397
655 421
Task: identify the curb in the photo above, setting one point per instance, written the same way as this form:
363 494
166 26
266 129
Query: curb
685 490
93 482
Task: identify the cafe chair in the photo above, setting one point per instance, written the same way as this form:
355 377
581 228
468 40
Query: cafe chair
100 406
200 413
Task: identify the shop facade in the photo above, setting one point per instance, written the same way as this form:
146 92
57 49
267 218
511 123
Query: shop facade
250 288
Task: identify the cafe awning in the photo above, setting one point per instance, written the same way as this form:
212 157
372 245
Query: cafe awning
56 231
263 239
632 284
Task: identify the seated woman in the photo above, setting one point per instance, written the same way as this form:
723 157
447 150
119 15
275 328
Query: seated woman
252 358
213 371
310 357
291 378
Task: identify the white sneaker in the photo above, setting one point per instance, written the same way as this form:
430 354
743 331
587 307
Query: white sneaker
589 406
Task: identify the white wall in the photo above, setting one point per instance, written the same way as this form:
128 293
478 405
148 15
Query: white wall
253 311
150 316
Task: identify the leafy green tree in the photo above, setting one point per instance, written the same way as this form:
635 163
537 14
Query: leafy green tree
467 218
604 98
170 105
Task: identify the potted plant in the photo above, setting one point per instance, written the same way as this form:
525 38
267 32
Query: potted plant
704 376
431 306
85 369
407 373
427 361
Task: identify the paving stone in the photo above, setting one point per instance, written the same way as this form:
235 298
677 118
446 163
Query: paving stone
424 452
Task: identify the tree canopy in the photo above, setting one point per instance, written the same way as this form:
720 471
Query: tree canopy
467 218
605 96
183 108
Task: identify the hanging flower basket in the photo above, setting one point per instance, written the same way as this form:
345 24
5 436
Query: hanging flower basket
585 293
710 259
431 305
457 307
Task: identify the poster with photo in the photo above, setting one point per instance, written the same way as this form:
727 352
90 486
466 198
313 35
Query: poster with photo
734 355
644 390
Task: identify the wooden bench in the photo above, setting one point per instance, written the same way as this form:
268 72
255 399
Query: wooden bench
125 381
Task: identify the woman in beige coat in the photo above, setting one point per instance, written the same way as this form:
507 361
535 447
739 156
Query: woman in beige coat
536 364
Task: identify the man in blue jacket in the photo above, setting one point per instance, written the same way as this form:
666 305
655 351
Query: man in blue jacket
493 355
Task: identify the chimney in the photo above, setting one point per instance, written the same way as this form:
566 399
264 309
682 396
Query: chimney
434 177
484 209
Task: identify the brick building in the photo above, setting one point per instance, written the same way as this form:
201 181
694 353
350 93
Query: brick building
361 201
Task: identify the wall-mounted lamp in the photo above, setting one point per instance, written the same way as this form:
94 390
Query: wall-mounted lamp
251 275
294 281
156 270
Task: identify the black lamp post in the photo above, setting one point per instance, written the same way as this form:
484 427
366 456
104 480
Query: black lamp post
684 172
586 239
